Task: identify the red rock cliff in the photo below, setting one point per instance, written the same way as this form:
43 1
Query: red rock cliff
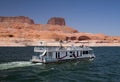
56 21
18 19
18 29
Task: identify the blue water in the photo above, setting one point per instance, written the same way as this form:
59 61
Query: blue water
16 67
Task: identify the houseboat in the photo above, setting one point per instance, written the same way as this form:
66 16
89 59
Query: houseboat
59 54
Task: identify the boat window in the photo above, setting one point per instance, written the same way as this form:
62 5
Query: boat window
85 52
66 53
57 54
70 51
77 54
71 56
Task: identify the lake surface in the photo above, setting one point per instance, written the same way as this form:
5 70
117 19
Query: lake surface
15 67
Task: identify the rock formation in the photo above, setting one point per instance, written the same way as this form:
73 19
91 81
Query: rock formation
22 29
18 19
56 21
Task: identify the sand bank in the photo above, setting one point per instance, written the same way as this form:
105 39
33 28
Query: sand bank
55 43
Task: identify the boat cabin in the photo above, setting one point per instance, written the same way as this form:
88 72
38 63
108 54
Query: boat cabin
55 54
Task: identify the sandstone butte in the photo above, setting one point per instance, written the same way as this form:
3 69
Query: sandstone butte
21 31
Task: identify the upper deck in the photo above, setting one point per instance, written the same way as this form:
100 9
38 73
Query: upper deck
70 48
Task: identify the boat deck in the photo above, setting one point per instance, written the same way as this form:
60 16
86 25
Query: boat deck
51 49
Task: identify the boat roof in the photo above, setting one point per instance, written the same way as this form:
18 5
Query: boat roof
54 49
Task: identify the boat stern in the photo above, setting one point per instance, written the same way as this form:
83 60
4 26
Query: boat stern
35 59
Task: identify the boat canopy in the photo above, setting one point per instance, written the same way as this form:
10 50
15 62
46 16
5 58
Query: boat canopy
52 49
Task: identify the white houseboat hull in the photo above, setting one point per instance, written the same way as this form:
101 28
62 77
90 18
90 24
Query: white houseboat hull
58 54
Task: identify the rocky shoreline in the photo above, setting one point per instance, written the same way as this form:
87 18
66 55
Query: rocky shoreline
56 43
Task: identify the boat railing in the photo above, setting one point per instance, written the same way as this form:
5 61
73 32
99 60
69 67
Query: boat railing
42 49
38 49
78 48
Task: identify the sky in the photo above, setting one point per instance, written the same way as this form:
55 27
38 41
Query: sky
91 16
